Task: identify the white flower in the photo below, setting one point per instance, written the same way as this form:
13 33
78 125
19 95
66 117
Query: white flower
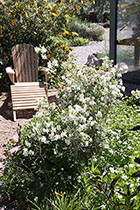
119 75
43 56
28 144
103 206
58 127
63 134
37 49
131 185
92 102
67 141
92 123
54 151
112 169
55 62
63 77
86 143
56 137
31 152
124 177
77 108
43 50
131 165
25 152
120 196
106 146
99 114
43 139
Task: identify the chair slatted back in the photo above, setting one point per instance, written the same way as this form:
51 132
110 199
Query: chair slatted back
25 61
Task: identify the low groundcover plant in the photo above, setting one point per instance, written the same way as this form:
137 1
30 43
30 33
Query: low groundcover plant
58 143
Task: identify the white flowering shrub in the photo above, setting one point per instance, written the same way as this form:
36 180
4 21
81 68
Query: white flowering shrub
57 144
53 66
134 100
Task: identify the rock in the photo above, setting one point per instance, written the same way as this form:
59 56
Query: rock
92 60
2 156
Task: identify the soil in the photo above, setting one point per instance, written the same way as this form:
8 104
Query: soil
8 128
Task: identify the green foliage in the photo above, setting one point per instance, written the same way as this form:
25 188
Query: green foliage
100 7
62 201
79 41
91 31
112 173
125 54
64 144
113 191
134 100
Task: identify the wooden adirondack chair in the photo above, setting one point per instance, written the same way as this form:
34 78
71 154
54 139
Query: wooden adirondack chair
26 90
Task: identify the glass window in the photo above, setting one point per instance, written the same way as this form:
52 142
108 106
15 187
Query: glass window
128 33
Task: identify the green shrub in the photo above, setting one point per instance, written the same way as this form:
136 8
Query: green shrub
88 128
79 41
112 172
113 190
96 32
104 189
91 31
56 145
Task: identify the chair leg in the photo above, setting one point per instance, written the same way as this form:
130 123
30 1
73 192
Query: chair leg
14 115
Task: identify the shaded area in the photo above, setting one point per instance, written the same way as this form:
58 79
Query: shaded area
132 77
8 206
7 113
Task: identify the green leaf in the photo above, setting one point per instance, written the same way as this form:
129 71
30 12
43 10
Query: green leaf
93 168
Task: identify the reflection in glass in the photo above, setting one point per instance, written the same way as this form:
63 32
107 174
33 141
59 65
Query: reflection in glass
128 33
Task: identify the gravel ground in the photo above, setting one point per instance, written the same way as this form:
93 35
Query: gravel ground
82 52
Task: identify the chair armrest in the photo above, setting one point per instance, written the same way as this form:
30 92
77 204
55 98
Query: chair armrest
11 73
9 70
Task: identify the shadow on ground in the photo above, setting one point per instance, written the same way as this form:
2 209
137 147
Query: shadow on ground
7 113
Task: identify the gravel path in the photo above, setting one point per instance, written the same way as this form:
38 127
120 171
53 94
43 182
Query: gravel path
82 52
